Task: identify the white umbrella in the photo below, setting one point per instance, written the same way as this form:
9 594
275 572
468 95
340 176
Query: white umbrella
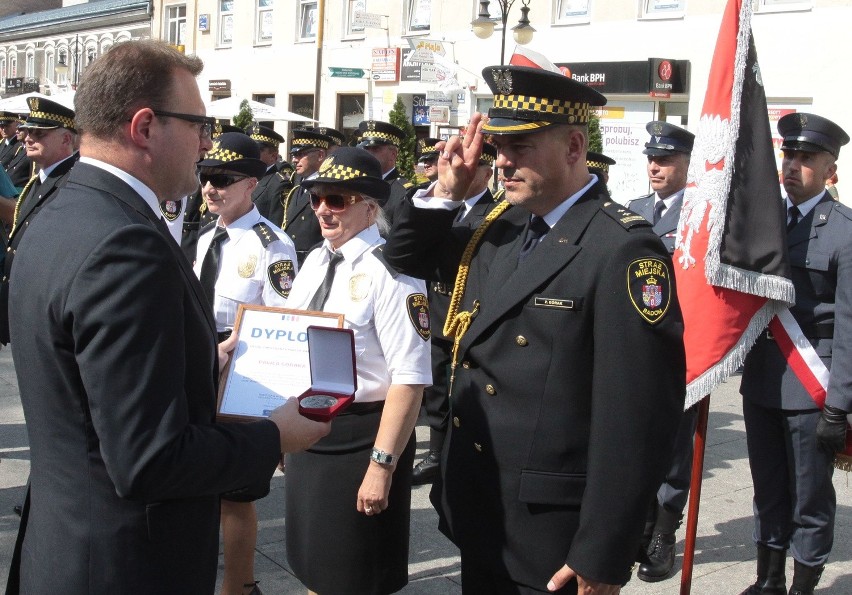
18 103
65 98
229 107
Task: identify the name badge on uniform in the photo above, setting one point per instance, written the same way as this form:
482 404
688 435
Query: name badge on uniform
558 303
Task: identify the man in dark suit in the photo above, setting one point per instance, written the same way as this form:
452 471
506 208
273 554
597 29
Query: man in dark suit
308 149
383 140
271 189
558 441
8 137
436 400
17 164
50 140
668 151
116 357
791 443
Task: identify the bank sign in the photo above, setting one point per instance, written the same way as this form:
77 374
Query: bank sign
658 77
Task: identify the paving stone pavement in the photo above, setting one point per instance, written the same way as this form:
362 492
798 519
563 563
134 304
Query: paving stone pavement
724 559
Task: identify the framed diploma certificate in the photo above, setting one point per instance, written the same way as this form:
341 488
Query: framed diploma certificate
270 363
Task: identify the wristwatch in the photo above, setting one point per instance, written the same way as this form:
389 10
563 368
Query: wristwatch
382 457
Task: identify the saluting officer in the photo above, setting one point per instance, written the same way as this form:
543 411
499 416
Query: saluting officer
15 161
668 154
383 140
791 444
50 141
557 441
668 151
273 185
436 400
308 149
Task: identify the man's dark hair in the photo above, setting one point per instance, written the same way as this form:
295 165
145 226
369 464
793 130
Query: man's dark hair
130 76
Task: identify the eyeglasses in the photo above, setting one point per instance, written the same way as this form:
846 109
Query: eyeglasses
207 123
37 133
219 181
334 202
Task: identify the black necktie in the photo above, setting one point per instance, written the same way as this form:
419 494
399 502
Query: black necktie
794 214
658 211
538 227
210 266
321 296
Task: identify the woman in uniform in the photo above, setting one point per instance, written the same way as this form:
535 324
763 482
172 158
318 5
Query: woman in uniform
348 499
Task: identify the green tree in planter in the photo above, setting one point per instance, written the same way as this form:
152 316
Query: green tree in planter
245 117
595 140
405 159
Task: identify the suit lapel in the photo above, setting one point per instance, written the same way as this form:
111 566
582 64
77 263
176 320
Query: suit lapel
95 177
510 284
478 211
644 206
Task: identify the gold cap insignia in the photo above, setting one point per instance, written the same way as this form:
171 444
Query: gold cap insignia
326 165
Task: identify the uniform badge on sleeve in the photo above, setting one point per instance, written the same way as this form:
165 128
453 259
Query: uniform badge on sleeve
171 209
418 312
281 277
650 288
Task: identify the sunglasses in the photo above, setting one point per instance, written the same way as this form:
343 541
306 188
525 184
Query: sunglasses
219 181
207 123
334 202
38 133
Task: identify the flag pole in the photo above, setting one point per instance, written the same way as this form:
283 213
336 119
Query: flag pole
694 495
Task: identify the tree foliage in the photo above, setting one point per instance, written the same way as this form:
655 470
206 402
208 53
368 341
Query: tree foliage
245 117
595 140
405 160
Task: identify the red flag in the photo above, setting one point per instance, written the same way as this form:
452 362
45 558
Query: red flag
731 257
526 57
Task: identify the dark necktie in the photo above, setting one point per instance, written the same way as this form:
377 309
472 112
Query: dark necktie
658 211
210 266
321 296
794 214
538 227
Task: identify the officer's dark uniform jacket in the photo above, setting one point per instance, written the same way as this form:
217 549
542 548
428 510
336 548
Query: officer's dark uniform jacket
35 199
666 227
820 253
300 222
399 189
558 371
20 167
270 193
7 150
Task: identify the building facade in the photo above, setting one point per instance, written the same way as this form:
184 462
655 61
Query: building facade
353 58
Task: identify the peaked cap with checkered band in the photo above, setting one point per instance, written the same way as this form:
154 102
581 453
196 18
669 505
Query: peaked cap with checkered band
235 151
354 169
530 99
48 114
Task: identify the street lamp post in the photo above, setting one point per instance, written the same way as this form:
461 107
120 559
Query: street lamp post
483 26
62 65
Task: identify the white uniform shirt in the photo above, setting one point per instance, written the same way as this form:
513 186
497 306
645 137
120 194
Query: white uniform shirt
248 272
388 315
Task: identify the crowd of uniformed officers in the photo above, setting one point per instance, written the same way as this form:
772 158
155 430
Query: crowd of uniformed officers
137 226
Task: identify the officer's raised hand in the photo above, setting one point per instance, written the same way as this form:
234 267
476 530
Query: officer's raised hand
831 429
458 161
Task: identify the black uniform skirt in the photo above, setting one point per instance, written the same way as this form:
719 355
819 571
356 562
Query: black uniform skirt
331 547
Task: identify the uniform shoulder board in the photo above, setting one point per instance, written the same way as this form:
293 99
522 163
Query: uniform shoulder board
207 227
266 235
379 253
408 185
843 209
624 216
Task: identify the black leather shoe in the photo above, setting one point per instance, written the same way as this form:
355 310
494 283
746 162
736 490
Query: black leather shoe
661 555
255 590
805 578
427 470
19 509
